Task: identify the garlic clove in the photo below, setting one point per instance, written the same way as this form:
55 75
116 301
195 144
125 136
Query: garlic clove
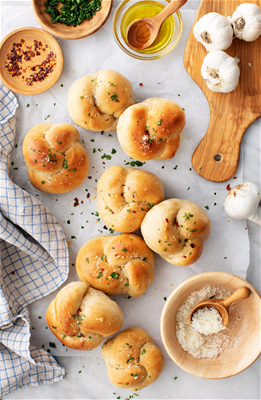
242 202
246 22
214 31
220 71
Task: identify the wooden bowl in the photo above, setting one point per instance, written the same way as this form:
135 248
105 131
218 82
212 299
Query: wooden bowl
234 360
86 28
17 84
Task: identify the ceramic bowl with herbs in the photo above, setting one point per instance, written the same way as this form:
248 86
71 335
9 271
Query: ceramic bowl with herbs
72 19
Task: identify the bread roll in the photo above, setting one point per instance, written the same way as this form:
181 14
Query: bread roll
176 230
125 195
132 359
151 130
81 317
116 264
55 159
96 101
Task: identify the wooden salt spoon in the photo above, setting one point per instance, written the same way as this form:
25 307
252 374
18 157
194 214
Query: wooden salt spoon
142 33
222 305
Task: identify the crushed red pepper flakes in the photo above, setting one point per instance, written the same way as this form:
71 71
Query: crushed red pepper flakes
88 195
228 187
76 202
235 177
166 219
141 84
89 177
19 53
192 245
13 272
183 257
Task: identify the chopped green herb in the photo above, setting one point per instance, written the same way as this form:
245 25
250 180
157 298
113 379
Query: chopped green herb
159 122
72 12
51 344
131 358
124 249
114 275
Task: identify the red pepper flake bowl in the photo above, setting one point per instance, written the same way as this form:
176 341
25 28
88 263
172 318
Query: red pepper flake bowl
31 61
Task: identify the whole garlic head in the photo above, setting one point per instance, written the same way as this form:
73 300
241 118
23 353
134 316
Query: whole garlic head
242 202
214 31
220 71
246 22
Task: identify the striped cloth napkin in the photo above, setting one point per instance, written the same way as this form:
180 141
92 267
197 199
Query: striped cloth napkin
34 261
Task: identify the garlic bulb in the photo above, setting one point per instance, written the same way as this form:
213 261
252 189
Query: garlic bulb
220 71
214 31
242 202
246 22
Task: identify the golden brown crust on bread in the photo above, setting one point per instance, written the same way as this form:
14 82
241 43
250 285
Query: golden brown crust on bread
96 101
55 159
125 195
151 130
133 360
176 230
81 317
116 264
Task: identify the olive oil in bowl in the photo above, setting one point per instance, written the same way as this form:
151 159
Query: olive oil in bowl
145 9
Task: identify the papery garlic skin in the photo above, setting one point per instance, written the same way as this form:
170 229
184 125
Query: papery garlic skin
220 71
242 202
214 31
246 22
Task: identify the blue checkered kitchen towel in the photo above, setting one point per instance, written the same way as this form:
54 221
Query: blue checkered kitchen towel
34 261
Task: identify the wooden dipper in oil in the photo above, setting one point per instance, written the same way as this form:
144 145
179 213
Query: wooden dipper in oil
142 33
221 305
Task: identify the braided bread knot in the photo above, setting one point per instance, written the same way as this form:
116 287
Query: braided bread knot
96 101
55 159
81 317
176 230
151 130
133 360
125 195
116 264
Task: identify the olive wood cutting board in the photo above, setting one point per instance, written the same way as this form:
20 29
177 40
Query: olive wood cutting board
217 155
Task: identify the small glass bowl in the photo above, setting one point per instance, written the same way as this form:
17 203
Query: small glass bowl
116 30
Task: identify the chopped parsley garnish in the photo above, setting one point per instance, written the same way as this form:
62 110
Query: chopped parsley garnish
113 151
87 259
65 164
72 12
114 275
124 249
73 169
159 122
106 156
114 98
99 275
143 352
131 358
51 344
165 298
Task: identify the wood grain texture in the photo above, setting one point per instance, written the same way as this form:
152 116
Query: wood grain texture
233 360
230 113
16 84
86 28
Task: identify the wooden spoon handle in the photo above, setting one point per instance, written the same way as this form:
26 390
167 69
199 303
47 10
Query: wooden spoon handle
240 294
172 7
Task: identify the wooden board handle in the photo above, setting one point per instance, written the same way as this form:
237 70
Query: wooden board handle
216 157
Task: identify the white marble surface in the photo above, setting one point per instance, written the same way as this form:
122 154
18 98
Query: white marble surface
243 386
